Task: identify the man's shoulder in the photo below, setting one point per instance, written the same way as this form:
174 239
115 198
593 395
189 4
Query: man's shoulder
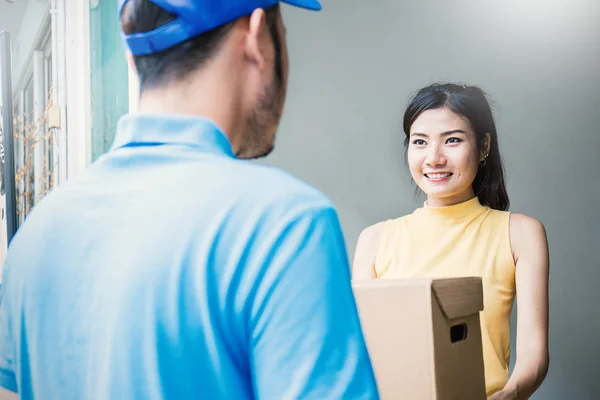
272 186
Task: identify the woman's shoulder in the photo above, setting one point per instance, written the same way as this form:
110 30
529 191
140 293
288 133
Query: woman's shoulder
526 231
524 221
373 234
518 223
498 219
365 253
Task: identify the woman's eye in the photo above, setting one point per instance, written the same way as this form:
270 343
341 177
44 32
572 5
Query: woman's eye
419 142
453 140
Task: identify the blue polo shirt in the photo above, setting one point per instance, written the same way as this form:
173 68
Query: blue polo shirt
172 270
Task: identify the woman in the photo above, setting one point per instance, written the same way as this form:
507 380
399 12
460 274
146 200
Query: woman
463 229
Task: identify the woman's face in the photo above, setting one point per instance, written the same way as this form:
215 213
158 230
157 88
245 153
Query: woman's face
443 156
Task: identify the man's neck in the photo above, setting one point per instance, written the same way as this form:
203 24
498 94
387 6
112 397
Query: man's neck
208 99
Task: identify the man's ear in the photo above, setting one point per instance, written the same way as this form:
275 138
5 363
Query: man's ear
257 29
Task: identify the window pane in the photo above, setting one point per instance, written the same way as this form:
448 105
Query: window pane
109 82
49 168
28 110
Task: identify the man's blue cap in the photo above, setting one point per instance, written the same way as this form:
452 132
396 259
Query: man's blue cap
194 17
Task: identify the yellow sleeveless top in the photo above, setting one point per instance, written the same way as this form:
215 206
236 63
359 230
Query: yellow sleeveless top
466 239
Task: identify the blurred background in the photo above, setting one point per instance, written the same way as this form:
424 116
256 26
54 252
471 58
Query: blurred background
353 68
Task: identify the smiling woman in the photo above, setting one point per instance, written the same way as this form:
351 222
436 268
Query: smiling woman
444 162
464 229
461 117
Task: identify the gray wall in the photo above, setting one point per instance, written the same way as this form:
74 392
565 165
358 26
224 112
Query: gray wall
353 68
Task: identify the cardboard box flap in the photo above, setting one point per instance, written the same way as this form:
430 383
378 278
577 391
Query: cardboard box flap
459 297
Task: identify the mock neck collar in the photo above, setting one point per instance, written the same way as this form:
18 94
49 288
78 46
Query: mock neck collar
135 130
460 211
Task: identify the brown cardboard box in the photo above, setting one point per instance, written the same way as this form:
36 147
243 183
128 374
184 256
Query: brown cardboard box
424 337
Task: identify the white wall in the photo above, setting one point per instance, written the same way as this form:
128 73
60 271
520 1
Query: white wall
31 28
77 69
11 15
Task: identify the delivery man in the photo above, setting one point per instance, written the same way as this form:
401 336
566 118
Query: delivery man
172 268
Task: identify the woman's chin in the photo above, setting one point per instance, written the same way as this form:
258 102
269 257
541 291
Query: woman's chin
438 192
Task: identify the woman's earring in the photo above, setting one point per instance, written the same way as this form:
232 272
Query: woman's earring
484 161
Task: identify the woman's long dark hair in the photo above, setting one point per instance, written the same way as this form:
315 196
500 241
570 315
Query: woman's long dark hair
471 103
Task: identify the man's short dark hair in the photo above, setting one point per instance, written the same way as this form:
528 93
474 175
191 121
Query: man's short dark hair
178 62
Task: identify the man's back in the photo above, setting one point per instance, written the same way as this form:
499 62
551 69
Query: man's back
172 270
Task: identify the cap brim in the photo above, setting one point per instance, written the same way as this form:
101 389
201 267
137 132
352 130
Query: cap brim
308 4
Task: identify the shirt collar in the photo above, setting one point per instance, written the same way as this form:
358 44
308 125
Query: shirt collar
136 130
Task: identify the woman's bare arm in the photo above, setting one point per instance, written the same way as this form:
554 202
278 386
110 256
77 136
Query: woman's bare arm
530 249
363 266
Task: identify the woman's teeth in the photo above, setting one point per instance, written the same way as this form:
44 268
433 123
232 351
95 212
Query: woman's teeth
438 176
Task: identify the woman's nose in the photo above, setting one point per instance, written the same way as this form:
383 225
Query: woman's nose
435 158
